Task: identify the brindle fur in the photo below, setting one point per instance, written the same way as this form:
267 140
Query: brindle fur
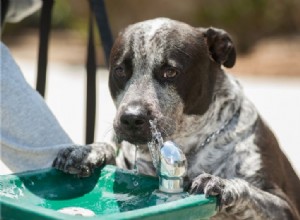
243 164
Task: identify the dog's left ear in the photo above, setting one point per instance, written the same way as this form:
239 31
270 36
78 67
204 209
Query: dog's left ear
220 46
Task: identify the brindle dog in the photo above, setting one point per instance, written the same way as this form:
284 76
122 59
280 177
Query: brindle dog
169 71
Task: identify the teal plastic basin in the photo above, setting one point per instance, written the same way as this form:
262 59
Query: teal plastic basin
110 193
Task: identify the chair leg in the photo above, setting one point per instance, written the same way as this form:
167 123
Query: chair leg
45 25
97 8
91 85
102 22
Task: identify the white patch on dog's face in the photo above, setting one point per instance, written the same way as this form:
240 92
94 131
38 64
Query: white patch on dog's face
153 27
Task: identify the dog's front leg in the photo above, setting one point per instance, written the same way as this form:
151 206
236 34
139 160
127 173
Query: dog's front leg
82 160
240 199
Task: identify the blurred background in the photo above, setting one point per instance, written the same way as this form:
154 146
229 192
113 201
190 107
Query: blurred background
266 34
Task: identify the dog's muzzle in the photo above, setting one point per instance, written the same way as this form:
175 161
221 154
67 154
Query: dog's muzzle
132 124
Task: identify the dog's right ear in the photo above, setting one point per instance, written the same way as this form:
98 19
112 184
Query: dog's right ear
220 46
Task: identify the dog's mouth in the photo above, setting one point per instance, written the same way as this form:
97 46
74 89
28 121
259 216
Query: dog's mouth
135 136
143 134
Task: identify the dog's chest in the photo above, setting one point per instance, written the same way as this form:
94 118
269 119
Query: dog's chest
210 159
235 159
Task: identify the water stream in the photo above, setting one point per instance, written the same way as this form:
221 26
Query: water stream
155 144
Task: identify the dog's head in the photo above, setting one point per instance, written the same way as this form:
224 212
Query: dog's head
161 69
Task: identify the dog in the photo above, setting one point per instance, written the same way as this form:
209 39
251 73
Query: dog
172 72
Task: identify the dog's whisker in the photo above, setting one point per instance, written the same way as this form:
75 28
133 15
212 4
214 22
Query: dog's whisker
107 132
166 126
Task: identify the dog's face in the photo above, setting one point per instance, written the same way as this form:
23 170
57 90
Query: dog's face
161 69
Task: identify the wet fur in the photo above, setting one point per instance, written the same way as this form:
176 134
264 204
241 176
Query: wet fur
243 164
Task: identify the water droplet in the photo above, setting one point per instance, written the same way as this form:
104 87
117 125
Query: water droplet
135 183
135 167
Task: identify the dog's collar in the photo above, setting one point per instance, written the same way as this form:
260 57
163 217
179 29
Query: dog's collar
225 126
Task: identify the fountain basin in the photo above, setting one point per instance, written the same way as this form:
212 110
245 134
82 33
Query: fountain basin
110 193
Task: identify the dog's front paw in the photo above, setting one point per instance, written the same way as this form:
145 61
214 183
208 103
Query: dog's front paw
82 160
213 186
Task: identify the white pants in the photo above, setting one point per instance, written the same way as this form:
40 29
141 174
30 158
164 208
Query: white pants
30 135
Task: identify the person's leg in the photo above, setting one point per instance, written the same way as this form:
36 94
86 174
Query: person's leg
30 134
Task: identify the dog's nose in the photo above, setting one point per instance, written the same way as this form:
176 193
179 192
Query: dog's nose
134 117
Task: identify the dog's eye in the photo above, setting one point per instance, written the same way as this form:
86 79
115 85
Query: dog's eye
120 72
170 73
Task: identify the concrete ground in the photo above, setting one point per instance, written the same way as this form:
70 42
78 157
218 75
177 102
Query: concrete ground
277 99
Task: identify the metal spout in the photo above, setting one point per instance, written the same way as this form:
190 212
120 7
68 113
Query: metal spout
172 168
